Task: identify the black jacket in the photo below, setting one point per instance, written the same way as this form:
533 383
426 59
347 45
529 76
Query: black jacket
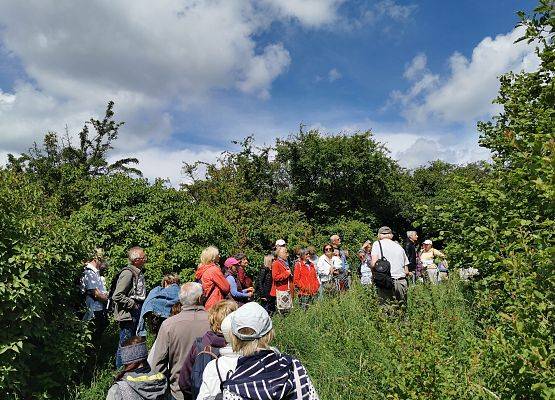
410 249
263 283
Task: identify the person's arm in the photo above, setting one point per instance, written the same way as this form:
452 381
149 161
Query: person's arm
439 254
160 355
114 393
297 276
123 287
233 289
91 282
406 263
279 272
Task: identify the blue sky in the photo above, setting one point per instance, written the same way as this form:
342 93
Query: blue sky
190 76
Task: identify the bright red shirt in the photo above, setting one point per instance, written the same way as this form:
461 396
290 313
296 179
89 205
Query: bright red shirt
305 279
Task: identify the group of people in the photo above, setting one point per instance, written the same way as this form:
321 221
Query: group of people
213 335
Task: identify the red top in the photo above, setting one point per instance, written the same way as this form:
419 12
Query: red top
281 277
245 280
213 283
305 279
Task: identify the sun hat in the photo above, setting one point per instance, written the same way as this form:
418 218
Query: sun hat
427 241
254 316
384 230
134 353
280 242
225 327
230 262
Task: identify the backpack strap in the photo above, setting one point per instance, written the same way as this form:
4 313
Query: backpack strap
381 250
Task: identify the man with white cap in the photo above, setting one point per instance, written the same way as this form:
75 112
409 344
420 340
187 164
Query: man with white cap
427 256
386 248
280 243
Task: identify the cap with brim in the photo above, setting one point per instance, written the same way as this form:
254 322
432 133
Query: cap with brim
230 261
134 353
384 230
427 241
280 242
254 316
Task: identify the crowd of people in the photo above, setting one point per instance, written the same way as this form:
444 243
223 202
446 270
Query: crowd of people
213 336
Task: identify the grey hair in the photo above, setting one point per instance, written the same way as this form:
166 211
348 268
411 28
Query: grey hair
333 237
302 252
410 233
190 293
134 253
385 236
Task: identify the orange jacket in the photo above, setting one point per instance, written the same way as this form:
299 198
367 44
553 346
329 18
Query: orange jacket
281 277
213 283
305 279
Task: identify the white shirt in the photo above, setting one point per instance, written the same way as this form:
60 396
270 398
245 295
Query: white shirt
92 280
394 253
325 265
366 272
227 362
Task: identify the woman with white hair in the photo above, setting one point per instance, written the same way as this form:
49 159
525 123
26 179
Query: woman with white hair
263 372
427 256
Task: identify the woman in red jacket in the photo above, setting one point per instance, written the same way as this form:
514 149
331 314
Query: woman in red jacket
282 281
305 279
214 285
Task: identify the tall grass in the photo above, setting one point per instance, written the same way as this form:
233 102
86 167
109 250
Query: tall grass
354 349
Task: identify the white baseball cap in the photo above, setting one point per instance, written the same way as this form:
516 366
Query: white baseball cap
427 241
280 242
251 315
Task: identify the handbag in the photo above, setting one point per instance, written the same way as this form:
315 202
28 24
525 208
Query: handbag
284 301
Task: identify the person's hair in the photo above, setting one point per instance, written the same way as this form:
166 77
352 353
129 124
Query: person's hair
311 250
239 256
209 255
361 251
268 258
302 253
170 279
249 347
385 236
333 237
297 250
134 253
218 312
97 254
410 234
190 293
134 365
326 245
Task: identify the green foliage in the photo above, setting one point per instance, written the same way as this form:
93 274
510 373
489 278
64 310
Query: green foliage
504 226
353 350
40 348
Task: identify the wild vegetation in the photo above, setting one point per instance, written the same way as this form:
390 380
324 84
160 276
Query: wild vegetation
493 338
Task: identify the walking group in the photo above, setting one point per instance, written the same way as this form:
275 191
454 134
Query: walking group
213 336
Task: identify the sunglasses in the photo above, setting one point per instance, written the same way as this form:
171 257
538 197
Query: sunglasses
328 249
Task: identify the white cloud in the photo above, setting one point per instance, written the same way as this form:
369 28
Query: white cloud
388 9
465 95
147 56
334 75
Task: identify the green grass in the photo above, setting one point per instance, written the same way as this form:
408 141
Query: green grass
352 349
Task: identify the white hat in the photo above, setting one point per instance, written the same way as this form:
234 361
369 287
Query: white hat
280 242
251 315
427 241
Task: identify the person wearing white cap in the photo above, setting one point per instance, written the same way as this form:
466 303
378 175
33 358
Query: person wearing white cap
262 372
220 369
386 248
280 243
427 256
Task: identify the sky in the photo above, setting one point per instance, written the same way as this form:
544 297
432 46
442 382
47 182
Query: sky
189 77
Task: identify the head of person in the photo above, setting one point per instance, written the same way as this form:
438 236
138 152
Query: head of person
336 252
385 232
367 246
218 312
280 243
210 255
427 244
335 241
231 264
251 328
311 250
412 236
189 294
170 279
133 355
282 253
361 254
302 254
242 258
97 257
328 250
268 258
137 256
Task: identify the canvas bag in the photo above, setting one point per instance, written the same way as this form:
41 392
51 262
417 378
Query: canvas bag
284 300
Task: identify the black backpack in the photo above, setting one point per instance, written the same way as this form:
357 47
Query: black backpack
382 272
111 303
203 357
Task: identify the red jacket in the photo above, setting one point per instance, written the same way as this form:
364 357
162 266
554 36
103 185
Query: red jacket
213 283
305 279
281 277
245 280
